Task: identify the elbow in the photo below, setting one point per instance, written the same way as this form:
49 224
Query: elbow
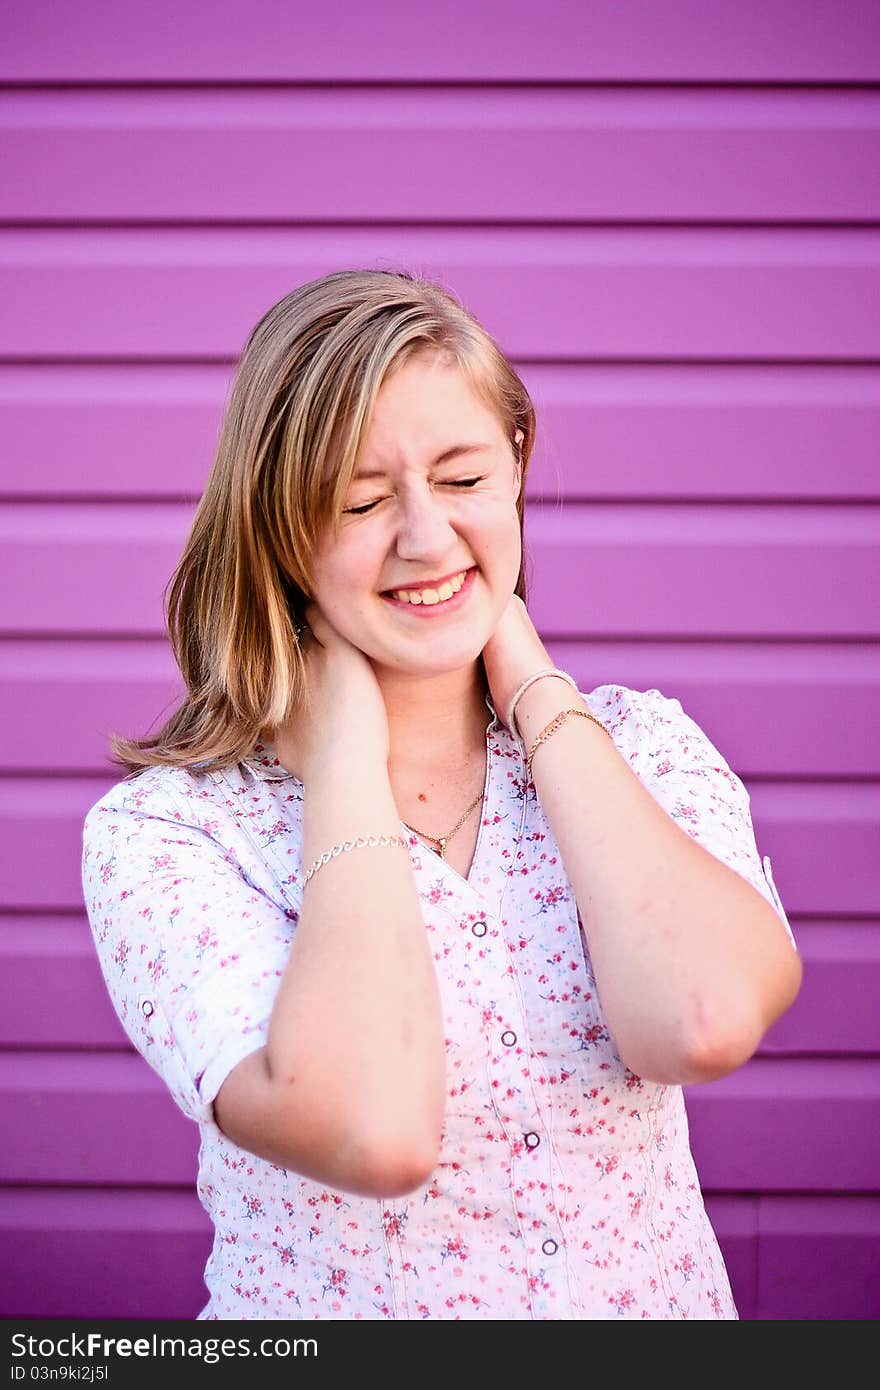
388 1168
721 1035
726 1044
718 1055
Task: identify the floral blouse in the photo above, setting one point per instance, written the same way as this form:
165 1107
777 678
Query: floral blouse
565 1186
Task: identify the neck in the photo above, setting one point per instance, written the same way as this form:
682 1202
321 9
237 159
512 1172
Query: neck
435 720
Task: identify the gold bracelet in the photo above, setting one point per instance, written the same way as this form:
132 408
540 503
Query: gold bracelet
359 843
550 729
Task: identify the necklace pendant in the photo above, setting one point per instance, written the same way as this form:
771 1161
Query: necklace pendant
442 843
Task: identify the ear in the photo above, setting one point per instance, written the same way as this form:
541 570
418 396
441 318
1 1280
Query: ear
518 442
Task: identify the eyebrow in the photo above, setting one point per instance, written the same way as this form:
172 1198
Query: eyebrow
447 454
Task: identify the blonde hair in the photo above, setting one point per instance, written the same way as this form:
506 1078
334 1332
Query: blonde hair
301 401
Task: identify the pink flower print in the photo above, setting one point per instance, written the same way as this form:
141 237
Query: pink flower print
455 1246
338 1285
108 871
395 1222
253 1207
686 1266
622 1301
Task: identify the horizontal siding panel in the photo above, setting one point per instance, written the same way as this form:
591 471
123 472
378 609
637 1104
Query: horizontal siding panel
64 1250
600 40
701 431
823 839
103 687
785 1125
91 1119
776 1124
56 997
55 992
777 572
836 1010
628 431
439 155
734 690
546 293
765 706
819 1258
787 1257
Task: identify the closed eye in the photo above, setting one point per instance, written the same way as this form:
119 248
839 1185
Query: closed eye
358 511
368 506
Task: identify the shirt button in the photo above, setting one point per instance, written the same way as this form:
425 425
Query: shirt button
508 1038
147 1008
479 929
549 1247
532 1140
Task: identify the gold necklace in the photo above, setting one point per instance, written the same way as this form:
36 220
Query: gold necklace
443 840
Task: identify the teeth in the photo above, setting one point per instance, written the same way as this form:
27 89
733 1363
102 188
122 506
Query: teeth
432 596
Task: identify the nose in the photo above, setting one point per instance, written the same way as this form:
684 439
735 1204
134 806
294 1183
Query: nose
424 530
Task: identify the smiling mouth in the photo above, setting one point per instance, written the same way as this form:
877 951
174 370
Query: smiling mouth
430 595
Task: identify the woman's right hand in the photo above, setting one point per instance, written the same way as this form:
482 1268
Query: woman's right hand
344 717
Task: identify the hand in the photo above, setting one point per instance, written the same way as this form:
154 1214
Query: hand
513 653
343 717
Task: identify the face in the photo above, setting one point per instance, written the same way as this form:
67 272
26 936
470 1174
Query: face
428 552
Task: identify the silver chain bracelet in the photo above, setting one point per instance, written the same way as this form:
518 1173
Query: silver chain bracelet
361 842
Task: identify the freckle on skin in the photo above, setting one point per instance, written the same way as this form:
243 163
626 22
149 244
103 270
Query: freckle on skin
422 796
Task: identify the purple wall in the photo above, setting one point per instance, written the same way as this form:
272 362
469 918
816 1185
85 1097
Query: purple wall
668 215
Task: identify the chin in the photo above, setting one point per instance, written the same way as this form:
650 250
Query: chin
437 659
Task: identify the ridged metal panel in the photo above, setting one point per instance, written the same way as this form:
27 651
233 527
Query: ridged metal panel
607 570
623 432
688 276
734 689
800 1257
440 155
643 293
595 40
56 996
81 1118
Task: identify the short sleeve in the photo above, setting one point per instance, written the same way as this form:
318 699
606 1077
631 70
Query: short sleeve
191 951
687 775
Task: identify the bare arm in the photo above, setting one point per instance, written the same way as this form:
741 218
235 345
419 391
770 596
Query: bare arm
692 965
349 1088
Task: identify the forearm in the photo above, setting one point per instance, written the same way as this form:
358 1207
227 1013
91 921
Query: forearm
692 965
358 1019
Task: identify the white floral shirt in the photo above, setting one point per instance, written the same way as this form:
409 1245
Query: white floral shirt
565 1186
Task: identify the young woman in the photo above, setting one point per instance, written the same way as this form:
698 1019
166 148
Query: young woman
424 938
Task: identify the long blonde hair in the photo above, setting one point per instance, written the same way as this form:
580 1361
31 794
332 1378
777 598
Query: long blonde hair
301 401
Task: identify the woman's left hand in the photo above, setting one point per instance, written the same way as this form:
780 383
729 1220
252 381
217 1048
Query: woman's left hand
513 653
